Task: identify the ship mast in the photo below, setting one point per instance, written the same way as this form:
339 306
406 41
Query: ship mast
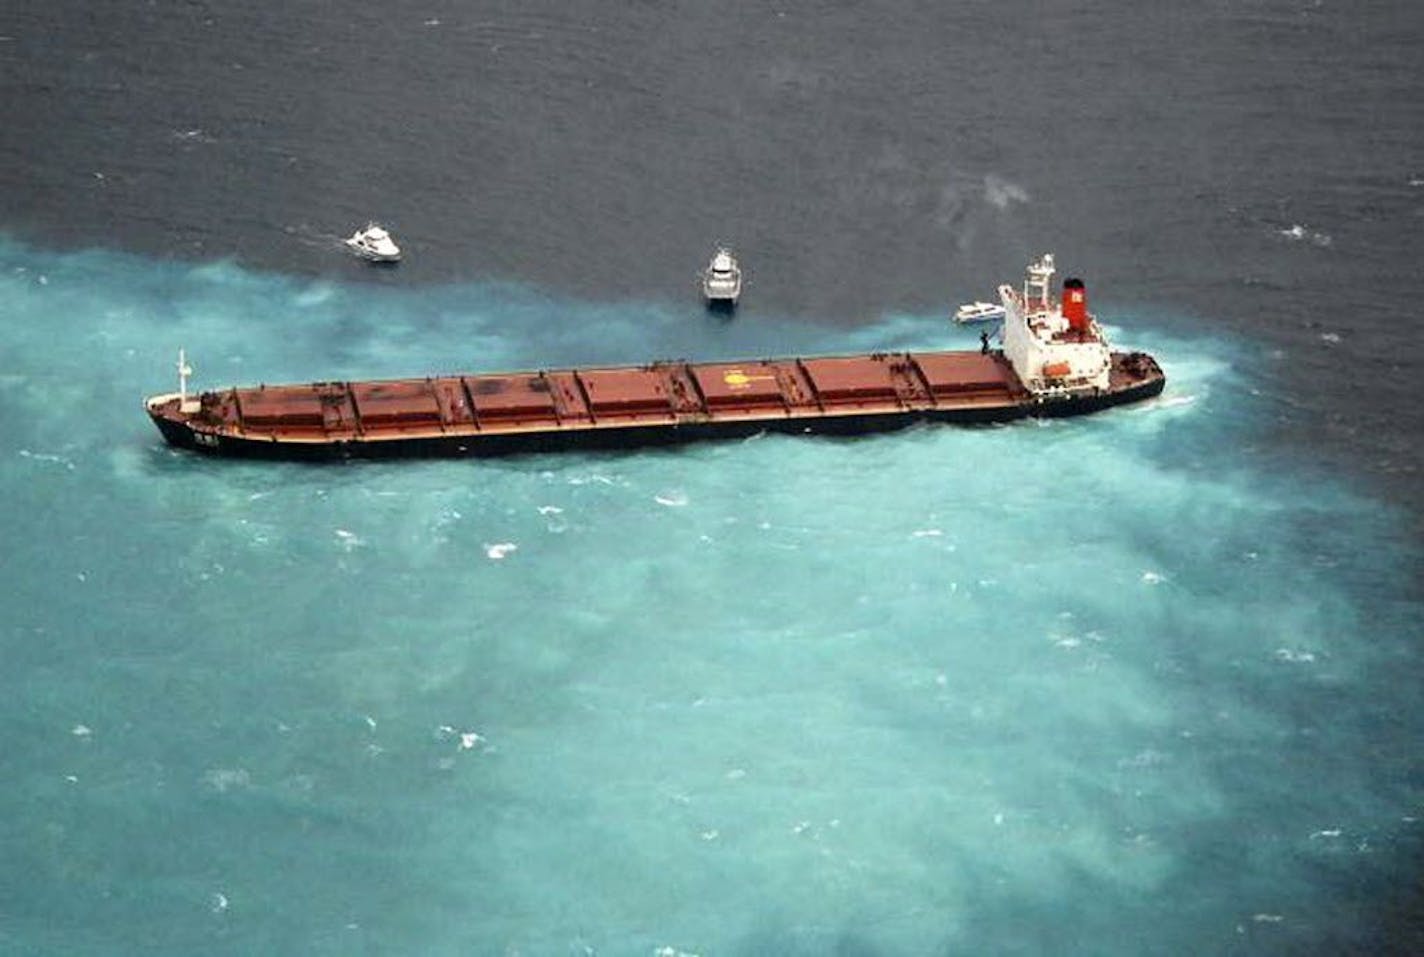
1037 281
184 371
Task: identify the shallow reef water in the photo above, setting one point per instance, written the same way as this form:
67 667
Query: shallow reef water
1120 684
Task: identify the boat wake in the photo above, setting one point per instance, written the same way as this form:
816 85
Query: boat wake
314 238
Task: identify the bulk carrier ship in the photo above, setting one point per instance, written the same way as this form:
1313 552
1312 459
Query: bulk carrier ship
1054 361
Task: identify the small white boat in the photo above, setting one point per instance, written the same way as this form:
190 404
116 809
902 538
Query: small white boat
978 312
375 244
722 279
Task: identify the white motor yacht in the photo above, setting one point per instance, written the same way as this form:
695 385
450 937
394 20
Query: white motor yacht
978 312
722 279
375 244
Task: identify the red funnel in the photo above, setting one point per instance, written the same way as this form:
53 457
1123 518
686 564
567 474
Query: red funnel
1075 304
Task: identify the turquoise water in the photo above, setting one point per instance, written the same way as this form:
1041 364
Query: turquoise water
1123 684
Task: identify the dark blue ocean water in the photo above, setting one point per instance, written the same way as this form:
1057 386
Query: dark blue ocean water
1145 682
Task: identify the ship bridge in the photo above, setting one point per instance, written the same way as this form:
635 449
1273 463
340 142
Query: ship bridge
1055 347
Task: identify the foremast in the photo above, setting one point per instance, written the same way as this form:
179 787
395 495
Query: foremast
1055 347
188 403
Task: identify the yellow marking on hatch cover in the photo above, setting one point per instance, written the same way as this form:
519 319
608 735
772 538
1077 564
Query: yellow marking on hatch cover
738 379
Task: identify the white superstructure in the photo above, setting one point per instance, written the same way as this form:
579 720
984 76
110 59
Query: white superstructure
374 243
1055 348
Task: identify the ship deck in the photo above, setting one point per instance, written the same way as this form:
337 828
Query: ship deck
659 394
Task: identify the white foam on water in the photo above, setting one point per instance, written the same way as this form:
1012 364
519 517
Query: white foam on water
1172 401
223 780
1300 233
315 294
349 539
47 457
